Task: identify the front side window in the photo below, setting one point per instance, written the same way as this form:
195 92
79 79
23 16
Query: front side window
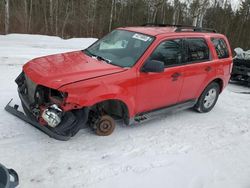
196 50
220 47
169 52
120 47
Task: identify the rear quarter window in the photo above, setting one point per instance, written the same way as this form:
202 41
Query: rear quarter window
220 47
196 50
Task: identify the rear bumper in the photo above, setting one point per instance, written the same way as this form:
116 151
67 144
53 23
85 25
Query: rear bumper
14 111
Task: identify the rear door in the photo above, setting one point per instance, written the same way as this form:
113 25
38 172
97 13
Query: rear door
223 59
198 68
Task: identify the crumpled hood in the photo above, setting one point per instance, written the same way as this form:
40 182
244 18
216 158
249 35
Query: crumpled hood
57 70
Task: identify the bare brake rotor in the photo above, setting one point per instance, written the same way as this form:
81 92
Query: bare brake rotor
105 126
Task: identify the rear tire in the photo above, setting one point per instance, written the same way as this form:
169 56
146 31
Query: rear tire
208 98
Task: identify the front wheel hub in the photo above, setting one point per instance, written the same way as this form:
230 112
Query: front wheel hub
105 126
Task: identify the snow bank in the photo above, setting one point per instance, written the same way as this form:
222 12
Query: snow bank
19 48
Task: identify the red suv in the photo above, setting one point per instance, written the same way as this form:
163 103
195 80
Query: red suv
132 74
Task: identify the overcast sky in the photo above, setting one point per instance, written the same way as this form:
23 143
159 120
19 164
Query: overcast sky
235 4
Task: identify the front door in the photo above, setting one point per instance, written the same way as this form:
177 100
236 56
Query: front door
157 90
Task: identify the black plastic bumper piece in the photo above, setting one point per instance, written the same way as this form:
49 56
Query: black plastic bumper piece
14 111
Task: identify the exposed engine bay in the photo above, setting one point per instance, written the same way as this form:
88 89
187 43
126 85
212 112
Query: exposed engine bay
47 107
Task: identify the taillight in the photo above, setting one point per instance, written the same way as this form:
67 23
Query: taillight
231 67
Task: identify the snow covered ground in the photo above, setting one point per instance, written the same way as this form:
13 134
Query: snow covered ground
180 150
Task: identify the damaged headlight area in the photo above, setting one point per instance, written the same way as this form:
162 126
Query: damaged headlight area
52 115
44 95
46 109
42 102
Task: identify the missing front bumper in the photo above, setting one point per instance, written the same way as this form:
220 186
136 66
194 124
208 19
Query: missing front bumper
14 111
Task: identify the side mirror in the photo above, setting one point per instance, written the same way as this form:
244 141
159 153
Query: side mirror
153 66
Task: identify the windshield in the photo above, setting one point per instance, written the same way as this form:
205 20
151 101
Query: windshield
121 48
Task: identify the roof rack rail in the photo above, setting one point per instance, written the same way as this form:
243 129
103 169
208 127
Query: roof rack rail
181 28
194 29
163 25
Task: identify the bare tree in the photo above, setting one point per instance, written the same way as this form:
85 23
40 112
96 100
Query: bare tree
176 12
94 18
65 18
111 15
45 17
51 15
26 15
56 17
30 14
94 15
198 9
7 16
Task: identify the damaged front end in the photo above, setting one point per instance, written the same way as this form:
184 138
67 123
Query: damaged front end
47 110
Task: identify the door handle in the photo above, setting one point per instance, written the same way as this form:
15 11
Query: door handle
175 76
208 69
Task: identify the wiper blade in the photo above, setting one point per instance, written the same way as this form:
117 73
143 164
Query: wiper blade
98 57
102 58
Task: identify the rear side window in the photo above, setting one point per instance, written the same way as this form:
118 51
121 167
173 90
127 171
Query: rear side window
220 47
196 50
